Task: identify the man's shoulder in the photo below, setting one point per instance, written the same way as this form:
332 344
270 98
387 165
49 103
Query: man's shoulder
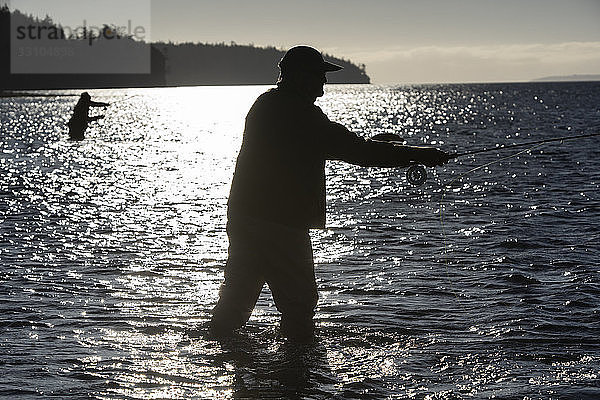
270 96
273 95
272 99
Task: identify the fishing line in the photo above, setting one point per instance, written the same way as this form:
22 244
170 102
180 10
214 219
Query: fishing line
534 144
511 146
442 207
416 174
117 102
125 99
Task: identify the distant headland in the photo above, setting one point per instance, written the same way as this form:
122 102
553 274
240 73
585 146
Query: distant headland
234 64
569 78
170 64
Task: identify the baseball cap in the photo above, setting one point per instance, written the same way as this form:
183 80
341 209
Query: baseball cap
306 57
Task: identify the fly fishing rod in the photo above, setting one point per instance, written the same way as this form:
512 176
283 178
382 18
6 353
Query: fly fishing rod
125 99
512 146
416 174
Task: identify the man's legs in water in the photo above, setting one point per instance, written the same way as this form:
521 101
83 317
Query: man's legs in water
262 251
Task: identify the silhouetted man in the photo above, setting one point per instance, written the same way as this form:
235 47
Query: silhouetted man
278 194
80 118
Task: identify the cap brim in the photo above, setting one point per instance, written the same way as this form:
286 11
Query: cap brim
331 67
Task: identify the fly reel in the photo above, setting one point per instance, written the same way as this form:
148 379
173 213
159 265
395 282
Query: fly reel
416 174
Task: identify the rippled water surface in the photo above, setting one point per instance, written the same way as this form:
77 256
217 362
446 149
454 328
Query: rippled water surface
479 284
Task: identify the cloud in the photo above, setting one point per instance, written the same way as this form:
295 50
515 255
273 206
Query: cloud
496 63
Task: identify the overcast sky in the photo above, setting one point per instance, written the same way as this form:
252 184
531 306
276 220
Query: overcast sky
399 40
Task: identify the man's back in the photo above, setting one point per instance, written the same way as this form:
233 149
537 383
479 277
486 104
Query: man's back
279 174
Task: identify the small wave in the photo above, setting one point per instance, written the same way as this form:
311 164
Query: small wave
17 393
520 279
368 292
518 244
366 388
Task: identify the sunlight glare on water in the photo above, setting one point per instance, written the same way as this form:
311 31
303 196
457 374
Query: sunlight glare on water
474 285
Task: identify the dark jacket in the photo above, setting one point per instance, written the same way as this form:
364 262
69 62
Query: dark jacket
280 170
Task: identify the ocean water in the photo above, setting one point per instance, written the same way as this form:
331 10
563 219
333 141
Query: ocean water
482 283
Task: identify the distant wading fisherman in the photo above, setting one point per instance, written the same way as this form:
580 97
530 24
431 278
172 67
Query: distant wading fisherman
278 194
80 118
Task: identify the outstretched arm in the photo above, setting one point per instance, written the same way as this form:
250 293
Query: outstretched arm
347 146
428 156
98 104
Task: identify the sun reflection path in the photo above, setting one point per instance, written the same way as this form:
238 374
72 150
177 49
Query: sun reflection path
167 168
